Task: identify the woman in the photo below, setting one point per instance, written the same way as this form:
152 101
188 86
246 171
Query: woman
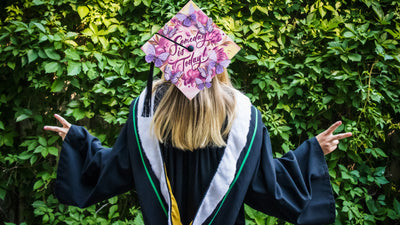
198 161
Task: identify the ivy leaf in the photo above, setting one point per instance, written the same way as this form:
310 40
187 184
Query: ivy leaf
51 67
87 32
147 2
53 151
71 42
355 57
11 65
103 42
52 54
380 152
113 200
155 28
285 136
348 34
251 57
322 12
2 194
371 206
74 68
32 55
378 10
93 27
346 176
57 85
381 180
83 11
8 140
38 184
22 117
396 206
44 152
254 45
138 220
255 27
33 159
261 84
39 204
78 114
262 9
112 210
52 140
285 147
24 155
71 53
40 26
75 83
42 141
74 104
327 99
344 58
38 149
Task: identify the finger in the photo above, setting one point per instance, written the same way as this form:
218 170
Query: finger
54 128
342 136
62 120
335 142
334 126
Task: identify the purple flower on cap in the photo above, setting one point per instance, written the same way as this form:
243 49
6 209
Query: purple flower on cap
214 37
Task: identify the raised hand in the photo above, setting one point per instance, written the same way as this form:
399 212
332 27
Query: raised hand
328 141
62 131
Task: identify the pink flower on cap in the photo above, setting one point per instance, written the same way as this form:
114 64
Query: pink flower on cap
189 78
215 37
201 17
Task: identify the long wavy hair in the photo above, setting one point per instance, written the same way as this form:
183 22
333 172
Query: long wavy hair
192 124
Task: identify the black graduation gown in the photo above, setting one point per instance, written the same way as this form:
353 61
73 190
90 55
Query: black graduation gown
210 185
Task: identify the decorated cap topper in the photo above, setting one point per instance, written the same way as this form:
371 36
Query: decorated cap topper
190 50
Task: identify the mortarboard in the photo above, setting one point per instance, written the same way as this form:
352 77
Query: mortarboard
189 50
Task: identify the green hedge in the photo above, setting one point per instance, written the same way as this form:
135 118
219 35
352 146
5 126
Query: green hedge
304 64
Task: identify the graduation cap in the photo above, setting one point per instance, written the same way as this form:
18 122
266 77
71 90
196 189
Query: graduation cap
189 50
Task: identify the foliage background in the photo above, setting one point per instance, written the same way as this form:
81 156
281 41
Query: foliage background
305 64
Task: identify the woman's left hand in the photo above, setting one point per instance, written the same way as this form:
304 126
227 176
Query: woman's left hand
328 141
62 131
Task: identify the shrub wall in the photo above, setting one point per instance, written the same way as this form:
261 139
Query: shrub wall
305 64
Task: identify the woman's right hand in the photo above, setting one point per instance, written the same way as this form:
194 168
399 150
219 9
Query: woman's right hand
62 131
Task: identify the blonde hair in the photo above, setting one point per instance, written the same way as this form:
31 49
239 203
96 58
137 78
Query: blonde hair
203 121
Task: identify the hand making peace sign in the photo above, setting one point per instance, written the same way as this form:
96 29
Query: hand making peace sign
62 131
328 141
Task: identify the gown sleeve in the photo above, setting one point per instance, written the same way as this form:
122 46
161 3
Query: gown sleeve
88 172
296 187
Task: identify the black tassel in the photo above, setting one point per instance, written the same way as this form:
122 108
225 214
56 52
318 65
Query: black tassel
147 101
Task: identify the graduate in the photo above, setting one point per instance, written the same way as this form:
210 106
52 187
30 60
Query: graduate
194 148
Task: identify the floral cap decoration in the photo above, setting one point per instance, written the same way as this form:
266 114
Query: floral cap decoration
190 50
